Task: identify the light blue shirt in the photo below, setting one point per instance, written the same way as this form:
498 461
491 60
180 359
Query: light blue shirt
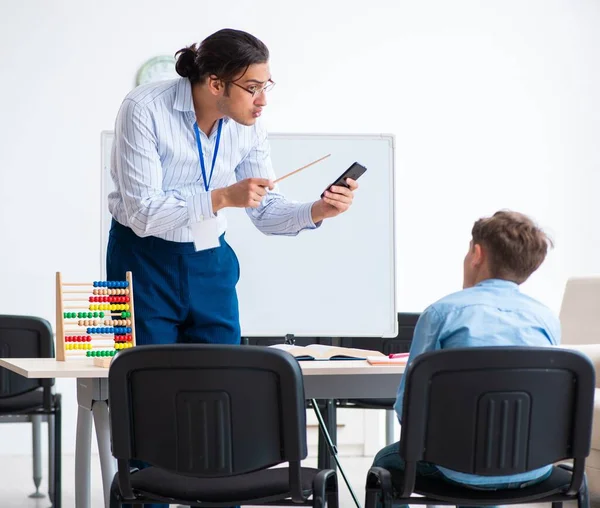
156 170
492 313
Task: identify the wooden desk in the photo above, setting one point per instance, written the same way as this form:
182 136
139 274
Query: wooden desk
339 379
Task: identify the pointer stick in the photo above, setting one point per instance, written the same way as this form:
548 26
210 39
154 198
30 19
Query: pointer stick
300 169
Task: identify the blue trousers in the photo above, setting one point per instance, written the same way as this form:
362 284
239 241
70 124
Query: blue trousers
180 295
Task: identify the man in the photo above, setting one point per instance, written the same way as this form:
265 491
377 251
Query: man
490 311
178 145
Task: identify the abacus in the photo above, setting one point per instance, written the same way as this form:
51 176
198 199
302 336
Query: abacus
94 319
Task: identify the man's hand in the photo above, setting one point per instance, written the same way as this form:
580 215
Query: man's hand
243 194
336 200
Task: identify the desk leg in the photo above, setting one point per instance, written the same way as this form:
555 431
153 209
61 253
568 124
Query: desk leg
390 419
92 397
324 460
83 446
333 449
107 461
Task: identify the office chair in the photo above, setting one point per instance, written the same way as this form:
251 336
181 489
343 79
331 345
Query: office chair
492 411
211 421
32 400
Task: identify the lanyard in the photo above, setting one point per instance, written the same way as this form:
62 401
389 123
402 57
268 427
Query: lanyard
201 156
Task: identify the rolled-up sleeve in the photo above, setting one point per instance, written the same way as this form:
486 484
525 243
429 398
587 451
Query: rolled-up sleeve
276 215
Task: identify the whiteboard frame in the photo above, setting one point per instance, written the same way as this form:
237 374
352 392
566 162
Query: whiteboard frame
107 138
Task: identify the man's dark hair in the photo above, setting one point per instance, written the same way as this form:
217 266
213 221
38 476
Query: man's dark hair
515 245
226 54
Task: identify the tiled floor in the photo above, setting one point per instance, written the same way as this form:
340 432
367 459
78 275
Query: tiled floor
16 482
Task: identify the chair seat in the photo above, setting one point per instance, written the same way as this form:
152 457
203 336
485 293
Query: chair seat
22 403
268 484
440 489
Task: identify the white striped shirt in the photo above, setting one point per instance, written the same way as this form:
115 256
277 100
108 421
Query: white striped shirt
156 168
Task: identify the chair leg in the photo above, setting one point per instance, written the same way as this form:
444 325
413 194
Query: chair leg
325 489
583 496
371 497
114 500
377 499
332 492
36 431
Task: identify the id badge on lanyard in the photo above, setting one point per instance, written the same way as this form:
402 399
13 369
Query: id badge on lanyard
206 231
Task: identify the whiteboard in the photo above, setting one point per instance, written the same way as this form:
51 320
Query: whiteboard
336 281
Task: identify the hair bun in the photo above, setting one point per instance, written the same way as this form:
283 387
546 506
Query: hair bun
186 62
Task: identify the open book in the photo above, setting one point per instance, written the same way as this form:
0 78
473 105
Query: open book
323 352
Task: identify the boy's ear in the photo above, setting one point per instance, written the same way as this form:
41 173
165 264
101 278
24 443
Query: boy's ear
479 254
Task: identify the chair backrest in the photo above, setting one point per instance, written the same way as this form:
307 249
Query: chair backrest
23 337
207 410
498 410
398 344
580 311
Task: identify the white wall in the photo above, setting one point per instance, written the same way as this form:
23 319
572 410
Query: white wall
494 105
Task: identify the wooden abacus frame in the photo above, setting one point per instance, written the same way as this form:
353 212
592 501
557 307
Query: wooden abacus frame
61 350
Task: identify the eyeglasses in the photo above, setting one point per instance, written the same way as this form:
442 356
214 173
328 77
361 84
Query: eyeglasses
255 90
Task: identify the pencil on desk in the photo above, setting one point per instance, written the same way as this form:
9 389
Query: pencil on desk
303 167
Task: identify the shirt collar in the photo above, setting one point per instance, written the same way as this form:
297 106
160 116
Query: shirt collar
498 283
183 98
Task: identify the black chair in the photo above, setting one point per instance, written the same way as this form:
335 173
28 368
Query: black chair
492 411
210 421
32 400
